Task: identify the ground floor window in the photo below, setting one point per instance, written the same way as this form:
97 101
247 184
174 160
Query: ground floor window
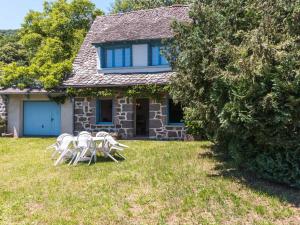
104 111
175 113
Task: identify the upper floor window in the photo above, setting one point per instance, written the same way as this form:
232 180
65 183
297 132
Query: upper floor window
117 57
156 56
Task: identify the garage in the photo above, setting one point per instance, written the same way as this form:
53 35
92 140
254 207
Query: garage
41 118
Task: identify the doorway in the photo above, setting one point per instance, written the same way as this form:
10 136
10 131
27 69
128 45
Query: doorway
142 117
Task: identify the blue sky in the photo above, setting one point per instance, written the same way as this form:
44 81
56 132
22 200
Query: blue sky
12 12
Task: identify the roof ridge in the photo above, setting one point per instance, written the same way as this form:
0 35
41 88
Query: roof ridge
145 10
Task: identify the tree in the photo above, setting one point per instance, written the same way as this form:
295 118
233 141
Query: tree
121 6
238 77
51 39
10 48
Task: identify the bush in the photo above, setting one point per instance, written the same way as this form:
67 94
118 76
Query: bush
238 77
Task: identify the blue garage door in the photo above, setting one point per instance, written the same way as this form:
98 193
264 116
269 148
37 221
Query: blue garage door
41 118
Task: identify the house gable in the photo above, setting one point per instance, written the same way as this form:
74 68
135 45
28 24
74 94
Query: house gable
138 29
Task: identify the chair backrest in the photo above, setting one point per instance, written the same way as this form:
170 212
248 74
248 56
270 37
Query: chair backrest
84 132
66 141
102 134
84 140
110 140
60 137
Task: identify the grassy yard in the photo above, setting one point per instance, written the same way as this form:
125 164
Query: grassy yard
159 183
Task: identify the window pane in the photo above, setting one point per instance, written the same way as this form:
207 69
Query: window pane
105 111
127 57
118 57
155 56
163 60
175 112
109 58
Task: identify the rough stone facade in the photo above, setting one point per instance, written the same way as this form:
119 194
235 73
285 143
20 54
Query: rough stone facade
158 122
124 119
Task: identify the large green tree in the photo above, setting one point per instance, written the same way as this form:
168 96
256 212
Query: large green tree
238 66
51 39
130 5
10 48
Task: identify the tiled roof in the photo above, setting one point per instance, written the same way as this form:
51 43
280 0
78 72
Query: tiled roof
110 80
137 25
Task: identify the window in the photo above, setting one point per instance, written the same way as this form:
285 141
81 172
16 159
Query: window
175 113
104 111
116 57
157 58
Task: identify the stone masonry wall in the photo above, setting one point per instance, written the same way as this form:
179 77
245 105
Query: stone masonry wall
124 119
158 122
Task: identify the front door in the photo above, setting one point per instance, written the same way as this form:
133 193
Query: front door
41 118
142 117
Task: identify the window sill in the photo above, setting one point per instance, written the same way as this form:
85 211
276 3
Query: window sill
176 124
136 69
105 123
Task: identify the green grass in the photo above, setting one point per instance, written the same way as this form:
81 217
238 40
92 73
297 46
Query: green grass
159 183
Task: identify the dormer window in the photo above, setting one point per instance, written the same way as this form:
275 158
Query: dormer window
114 57
156 56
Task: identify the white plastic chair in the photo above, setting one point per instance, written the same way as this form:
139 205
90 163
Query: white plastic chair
56 145
86 149
102 134
111 147
67 152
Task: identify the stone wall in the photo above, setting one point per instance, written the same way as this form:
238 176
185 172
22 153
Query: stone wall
3 112
124 119
158 122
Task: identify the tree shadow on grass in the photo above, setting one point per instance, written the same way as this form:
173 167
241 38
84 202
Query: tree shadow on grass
226 170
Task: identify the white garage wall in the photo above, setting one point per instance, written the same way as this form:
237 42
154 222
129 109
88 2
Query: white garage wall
15 114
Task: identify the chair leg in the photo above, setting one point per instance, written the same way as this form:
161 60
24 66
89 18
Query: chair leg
92 156
121 155
72 159
53 154
77 159
60 158
112 158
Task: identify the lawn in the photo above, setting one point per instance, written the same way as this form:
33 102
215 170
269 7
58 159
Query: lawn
159 183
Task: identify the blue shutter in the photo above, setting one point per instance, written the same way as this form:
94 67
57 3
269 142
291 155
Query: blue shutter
163 60
118 57
109 58
127 57
155 55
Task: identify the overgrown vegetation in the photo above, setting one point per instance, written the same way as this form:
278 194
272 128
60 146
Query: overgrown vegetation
158 183
150 90
238 76
51 39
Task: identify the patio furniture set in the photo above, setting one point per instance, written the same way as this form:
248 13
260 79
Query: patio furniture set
84 147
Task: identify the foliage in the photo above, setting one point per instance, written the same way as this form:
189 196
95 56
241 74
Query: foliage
154 91
238 76
51 39
130 5
10 48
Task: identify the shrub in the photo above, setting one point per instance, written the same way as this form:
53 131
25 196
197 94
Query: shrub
238 77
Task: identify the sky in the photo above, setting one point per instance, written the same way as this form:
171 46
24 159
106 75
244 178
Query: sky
12 12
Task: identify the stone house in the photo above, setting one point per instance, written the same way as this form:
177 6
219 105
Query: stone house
119 51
